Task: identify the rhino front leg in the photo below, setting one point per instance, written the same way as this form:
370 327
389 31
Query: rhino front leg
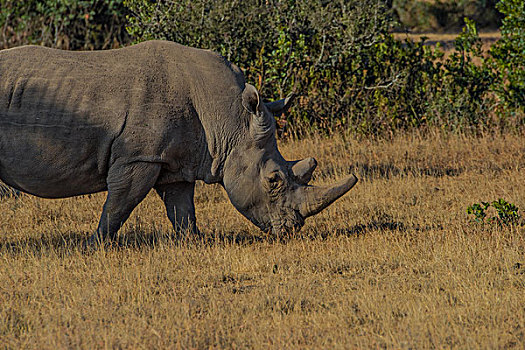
128 184
178 199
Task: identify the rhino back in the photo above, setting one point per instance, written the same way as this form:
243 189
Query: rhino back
59 114
65 117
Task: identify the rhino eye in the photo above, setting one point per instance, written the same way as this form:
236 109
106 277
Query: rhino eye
275 177
275 183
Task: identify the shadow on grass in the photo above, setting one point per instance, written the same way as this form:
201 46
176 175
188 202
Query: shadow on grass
139 239
372 226
73 242
60 244
70 242
388 170
384 226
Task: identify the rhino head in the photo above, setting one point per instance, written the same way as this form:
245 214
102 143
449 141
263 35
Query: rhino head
268 190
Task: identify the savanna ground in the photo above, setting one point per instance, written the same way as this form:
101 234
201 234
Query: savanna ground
446 40
395 263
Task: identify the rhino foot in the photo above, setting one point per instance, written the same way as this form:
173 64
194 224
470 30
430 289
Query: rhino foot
96 242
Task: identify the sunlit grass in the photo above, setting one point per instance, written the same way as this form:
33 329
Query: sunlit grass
395 263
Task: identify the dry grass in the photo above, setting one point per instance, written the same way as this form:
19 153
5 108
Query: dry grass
446 40
491 36
394 264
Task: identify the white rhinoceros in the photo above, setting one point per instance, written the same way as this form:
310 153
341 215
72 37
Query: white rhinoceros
155 115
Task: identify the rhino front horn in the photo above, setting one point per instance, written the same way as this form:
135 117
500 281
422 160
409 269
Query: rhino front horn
314 198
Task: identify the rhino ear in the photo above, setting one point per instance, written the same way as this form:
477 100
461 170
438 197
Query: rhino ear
251 99
280 106
263 124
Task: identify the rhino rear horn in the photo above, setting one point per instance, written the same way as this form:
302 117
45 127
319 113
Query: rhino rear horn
303 170
314 199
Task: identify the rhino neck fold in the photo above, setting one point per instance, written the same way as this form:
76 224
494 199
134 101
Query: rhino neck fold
221 134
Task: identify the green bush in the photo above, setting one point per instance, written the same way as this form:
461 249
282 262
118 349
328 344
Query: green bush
306 46
506 213
67 24
508 57
340 57
465 99
350 71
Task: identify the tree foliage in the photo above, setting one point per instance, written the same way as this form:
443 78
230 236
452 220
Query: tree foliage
339 56
67 24
508 55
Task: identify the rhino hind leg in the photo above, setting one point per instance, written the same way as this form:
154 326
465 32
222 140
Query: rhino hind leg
128 185
180 207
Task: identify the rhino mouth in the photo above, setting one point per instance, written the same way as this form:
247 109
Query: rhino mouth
283 230
285 223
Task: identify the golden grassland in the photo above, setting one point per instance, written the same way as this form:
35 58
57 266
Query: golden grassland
396 263
446 40
486 36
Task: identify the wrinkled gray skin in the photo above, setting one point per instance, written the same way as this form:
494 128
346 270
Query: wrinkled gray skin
155 115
